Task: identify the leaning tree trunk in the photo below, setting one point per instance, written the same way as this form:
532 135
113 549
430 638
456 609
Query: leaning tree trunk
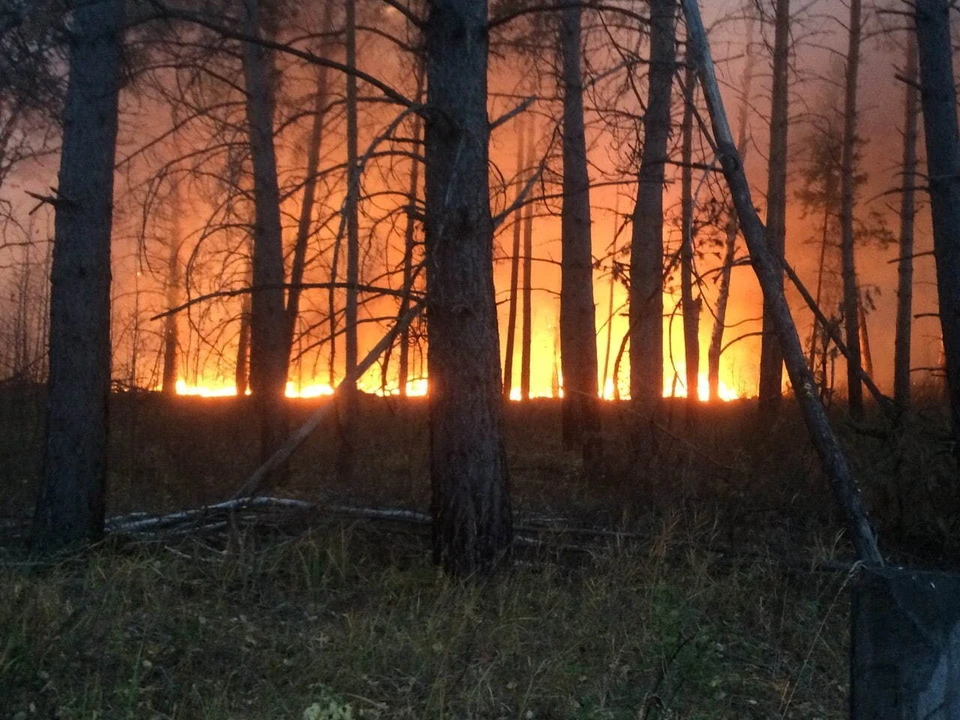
901 361
468 465
848 183
578 332
732 228
513 300
171 323
771 357
769 271
70 503
646 247
690 308
268 318
939 97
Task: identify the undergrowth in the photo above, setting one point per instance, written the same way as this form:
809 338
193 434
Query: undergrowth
344 622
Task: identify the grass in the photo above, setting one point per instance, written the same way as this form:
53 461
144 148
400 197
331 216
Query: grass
700 618
344 617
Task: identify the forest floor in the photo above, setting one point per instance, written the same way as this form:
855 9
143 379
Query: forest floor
699 578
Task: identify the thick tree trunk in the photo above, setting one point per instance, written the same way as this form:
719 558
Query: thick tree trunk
171 323
526 337
646 249
513 300
769 273
268 318
690 308
771 358
578 332
408 250
939 97
732 229
70 504
472 526
901 361
848 184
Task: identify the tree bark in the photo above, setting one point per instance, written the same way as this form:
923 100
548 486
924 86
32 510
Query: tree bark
646 249
268 320
689 307
902 344
514 266
769 273
771 358
472 527
578 334
848 184
939 97
70 503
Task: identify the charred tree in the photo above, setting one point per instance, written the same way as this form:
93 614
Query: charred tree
646 248
689 306
472 527
268 319
409 247
70 503
901 361
848 186
578 333
939 98
771 358
769 271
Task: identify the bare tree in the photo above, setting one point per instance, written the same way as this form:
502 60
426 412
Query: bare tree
514 265
771 358
526 337
472 526
848 185
174 282
689 306
769 271
268 320
901 362
70 504
646 249
939 99
578 335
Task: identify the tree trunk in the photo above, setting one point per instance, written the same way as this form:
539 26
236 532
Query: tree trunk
769 273
348 406
268 319
867 356
732 229
305 222
690 308
939 98
901 362
408 248
70 503
578 332
646 249
526 337
771 358
171 323
848 183
514 266
242 371
472 526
